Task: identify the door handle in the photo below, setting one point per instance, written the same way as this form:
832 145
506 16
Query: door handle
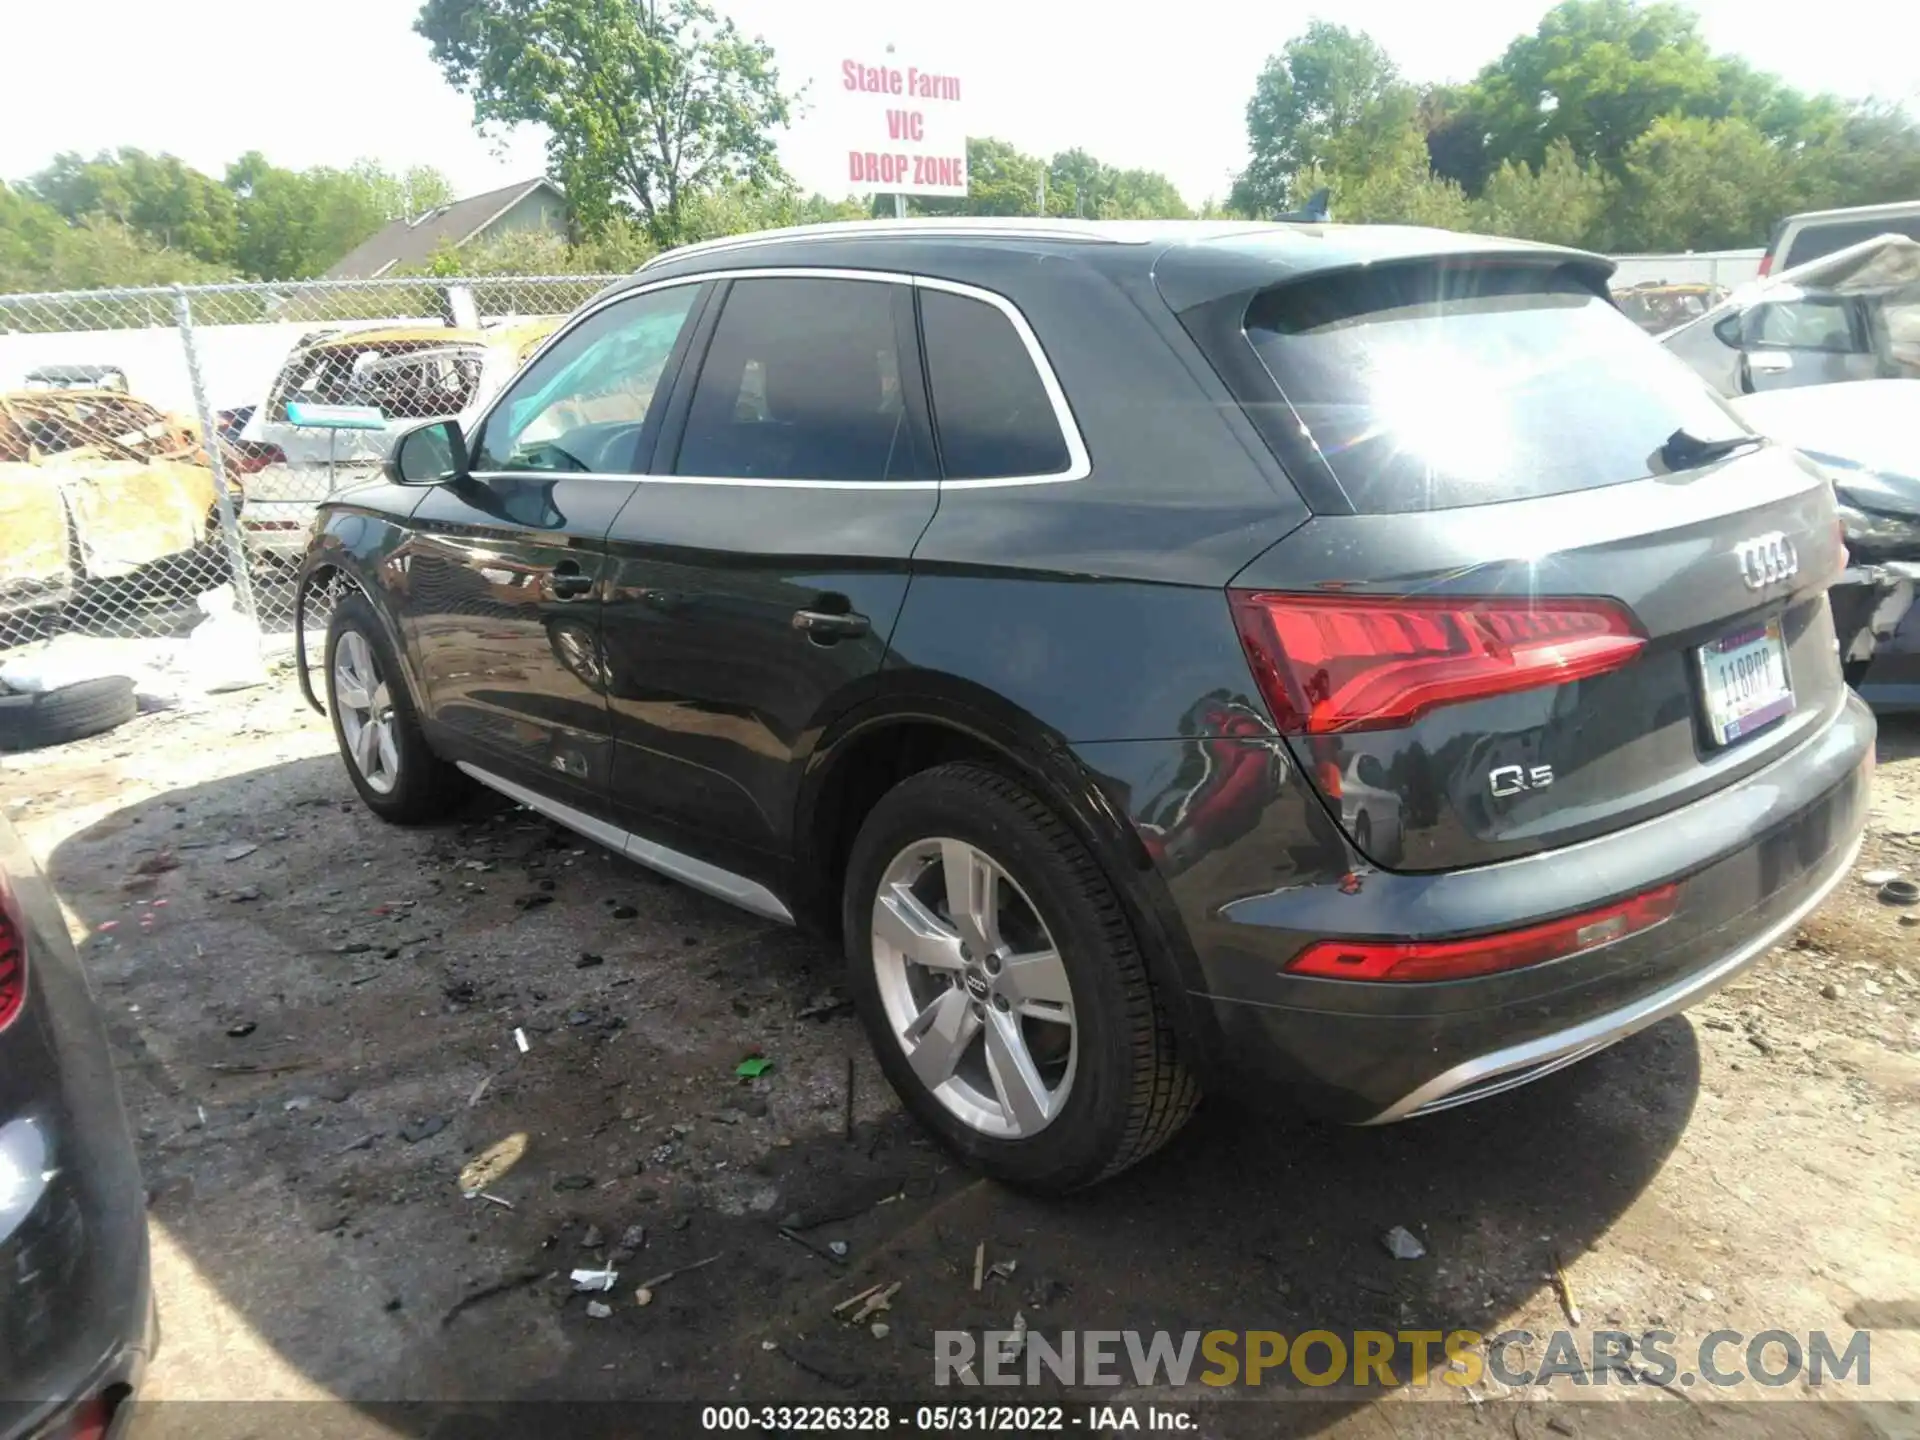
823 628
565 582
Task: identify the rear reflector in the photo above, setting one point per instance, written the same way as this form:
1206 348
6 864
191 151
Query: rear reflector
1331 663
1415 960
13 958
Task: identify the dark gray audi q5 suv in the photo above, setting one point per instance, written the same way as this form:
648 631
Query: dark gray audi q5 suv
1355 658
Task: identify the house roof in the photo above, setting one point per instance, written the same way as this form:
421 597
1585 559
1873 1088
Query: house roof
405 243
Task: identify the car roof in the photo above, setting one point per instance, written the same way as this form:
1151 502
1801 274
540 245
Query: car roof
1852 212
1198 257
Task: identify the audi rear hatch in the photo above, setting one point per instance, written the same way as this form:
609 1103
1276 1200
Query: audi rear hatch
1553 586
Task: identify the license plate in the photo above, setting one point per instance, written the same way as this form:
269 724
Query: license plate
1746 682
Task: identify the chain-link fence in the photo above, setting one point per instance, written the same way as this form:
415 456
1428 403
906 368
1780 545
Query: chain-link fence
159 450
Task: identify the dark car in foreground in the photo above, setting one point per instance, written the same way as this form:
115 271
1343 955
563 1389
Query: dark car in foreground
1032 604
75 1313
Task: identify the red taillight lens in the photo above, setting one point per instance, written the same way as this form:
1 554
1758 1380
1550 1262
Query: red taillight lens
13 958
1329 663
1330 780
1415 960
1766 264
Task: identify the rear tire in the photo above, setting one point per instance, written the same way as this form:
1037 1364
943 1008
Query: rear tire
377 723
1097 1098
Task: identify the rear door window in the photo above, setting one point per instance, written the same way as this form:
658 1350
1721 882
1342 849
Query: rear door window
802 381
991 410
1424 387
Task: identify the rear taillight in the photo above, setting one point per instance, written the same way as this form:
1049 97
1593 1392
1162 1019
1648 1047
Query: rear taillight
1766 263
1332 663
1416 960
13 958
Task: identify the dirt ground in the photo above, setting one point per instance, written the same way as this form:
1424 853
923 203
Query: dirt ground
316 1018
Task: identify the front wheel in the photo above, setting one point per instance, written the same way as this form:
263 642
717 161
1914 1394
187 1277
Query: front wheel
378 726
1002 984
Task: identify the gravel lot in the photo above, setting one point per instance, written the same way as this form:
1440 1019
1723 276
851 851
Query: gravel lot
316 1020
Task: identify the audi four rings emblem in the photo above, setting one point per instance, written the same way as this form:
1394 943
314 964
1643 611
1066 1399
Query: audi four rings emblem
1766 560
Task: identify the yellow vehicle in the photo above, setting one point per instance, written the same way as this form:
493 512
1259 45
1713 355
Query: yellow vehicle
95 485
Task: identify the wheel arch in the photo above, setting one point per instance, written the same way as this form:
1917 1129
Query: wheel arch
873 748
334 566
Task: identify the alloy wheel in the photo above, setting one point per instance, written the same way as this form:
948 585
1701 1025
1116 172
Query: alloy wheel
365 706
974 988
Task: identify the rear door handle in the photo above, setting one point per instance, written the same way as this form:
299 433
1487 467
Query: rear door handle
565 582
824 628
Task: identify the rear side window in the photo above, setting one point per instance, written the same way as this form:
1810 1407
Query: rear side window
991 411
802 382
1428 387
1815 241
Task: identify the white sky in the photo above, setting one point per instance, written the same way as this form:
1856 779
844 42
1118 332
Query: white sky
209 79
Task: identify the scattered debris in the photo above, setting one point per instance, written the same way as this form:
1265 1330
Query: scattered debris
423 1129
1003 1269
249 1067
240 851
490 1199
644 1295
241 1030
1832 991
238 897
596 1310
625 912
593 1239
361 1144
518 1278
979 1264
573 1182
853 1300
1564 1289
598 1281
588 960
823 1006
848 1127
158 864
1013 1343
838 1247
1877 878
478 1091
875 1302
520 1040
753 1067
832 1256
631 1241
534 901
881 1329
1900 892
1403 1244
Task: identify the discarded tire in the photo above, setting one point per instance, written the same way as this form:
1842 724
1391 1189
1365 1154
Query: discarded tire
73 712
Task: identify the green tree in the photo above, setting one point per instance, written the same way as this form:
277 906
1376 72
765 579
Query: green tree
1563 202
1597 74
1389 183
1319 86
294 224
1696 184
645 102
158 196
1080 184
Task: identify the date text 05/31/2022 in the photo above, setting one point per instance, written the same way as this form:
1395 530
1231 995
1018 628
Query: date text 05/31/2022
949 1419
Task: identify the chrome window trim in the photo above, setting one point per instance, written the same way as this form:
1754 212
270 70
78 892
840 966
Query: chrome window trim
1079 462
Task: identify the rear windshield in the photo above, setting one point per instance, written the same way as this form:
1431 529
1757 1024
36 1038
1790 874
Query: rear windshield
1818 240
1429 387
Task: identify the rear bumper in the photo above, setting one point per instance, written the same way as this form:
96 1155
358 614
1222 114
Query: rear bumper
1752 860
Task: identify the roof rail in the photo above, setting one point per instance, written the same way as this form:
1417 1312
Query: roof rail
1093 232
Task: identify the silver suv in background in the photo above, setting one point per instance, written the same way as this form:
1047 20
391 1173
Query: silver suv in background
1817 233
408 373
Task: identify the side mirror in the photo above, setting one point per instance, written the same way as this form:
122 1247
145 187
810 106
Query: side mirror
1728 330
1370 772
303 416
428 455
